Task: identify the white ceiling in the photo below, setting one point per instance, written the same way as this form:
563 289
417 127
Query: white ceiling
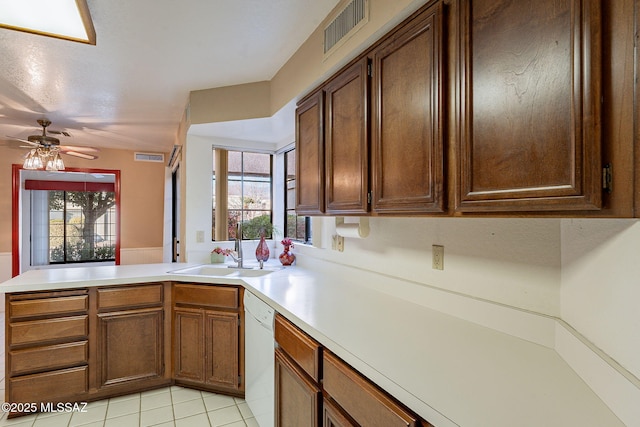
130 90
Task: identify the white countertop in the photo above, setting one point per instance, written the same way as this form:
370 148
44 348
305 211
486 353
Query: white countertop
450 371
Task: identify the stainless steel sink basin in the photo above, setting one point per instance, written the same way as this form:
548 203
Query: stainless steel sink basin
212 271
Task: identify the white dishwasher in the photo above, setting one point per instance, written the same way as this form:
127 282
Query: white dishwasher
259 359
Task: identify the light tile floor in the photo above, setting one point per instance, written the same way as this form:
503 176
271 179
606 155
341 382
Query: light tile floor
166 407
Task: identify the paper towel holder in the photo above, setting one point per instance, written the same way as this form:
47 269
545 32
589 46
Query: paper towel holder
358 230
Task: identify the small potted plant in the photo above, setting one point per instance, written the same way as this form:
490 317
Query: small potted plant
218 254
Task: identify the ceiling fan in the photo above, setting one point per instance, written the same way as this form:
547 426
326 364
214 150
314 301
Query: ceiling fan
45 150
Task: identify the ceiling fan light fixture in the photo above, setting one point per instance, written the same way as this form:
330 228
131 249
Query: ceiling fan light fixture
65 19
33 160
54 162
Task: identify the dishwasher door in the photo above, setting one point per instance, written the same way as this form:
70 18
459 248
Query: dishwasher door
259 359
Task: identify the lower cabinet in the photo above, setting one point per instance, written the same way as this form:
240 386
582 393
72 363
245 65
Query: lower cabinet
297 396
130 337
316 388
92 343
47 350
207 337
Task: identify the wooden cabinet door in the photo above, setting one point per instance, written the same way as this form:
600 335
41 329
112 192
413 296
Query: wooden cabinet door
188 344
221 350
407 118
297 397
529 77
130 346
310 156
332 415
346 141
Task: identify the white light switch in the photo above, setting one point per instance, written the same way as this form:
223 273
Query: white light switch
200 236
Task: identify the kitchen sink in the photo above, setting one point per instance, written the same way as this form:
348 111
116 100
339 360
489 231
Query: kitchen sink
209 270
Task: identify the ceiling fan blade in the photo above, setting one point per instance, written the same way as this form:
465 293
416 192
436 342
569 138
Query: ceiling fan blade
33 144
77 148
80 155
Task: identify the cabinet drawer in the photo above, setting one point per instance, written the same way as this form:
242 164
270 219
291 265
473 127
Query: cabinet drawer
36 331
207 296
361 399
48 306
304 350
47 358
50 386
147 295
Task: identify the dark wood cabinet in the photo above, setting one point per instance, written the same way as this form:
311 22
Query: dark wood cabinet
130 337
333 416
297 376
207 339
407 128
310 155
130 347
347 141
530 118
47 346
483 107
297 396
364 402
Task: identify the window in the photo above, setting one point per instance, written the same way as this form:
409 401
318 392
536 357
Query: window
297 227
72 222
246 178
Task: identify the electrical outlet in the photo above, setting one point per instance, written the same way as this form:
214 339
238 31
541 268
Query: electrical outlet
438 257
337 243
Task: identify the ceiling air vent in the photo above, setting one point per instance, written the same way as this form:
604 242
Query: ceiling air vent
149 157
348 21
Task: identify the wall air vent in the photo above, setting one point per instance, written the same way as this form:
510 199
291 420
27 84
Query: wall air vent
348 21
149 157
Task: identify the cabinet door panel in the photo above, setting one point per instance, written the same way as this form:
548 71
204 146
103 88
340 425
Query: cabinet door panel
188 344
347 148
310 156
297 397
54 386
131 346
221 357
407 128
41 331
530 124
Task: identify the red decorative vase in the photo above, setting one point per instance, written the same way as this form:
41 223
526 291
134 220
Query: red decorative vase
287 257
262 250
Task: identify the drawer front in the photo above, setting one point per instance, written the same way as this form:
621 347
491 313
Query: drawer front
361 399
117 298
48 306
304 350
48 358
53 386
207 296
37 331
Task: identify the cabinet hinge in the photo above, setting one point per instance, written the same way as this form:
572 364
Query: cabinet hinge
369 70
239 379
369 197
607 178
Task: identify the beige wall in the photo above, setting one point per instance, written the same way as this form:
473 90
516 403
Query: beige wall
306 68
142 195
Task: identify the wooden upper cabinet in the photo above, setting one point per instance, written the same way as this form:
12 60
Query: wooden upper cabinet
346 139
530 87
310 156
407 118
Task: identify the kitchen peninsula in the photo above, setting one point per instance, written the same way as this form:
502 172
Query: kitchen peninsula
449 371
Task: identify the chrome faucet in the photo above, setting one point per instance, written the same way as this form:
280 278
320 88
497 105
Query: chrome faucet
238 245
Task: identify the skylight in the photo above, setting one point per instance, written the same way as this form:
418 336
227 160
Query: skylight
65 19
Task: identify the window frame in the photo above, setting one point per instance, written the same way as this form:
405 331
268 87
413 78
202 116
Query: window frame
307 220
